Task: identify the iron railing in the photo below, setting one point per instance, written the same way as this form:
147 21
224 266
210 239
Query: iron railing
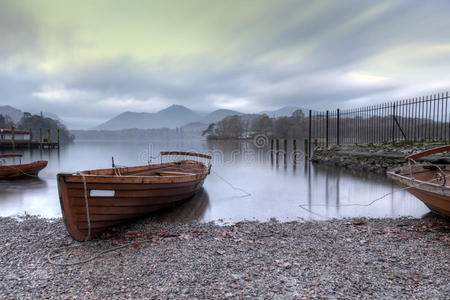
421 118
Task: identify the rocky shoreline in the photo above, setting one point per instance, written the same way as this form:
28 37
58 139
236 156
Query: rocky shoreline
374 158
352 258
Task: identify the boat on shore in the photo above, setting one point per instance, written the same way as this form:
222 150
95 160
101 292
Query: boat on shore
9 171
94 200
430 183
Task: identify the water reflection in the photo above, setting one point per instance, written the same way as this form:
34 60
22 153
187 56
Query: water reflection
21 195
287 190
192 210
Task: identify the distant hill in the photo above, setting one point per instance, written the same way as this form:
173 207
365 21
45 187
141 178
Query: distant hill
218 115
14 113
182 117
171 117
17 114
283 112
195 126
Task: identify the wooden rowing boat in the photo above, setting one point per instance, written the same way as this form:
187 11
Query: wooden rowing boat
428 182
15 171
92 201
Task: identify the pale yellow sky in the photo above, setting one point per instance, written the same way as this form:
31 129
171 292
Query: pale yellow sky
75 57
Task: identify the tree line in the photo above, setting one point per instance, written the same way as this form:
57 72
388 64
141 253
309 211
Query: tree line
235 127
36 123
134 134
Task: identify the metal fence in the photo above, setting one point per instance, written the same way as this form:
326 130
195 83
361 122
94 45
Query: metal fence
400 121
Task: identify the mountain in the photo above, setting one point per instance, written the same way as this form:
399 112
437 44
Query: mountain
14 113
283 112
171 117
218 115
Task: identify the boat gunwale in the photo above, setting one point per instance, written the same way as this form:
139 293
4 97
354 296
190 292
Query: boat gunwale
99 178
412 182
24 165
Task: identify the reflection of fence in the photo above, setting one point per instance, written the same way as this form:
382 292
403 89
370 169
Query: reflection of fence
406 120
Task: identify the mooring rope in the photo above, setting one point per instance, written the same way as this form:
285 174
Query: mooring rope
23 172
53 262
302 206
86 203
245 193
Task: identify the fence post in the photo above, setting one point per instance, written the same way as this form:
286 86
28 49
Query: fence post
309 134
326 131
337 126
393 124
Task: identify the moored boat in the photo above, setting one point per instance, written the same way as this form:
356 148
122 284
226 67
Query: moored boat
13 170
430 183
92 201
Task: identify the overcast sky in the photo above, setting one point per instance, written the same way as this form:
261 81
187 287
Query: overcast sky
87 61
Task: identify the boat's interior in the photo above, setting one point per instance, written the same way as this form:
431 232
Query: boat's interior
437 174
179 168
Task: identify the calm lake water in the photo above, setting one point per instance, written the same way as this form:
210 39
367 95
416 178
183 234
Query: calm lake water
244 184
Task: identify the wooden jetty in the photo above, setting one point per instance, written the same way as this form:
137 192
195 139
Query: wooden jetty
11 139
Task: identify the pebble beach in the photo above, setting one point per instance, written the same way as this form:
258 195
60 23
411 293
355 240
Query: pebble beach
337 259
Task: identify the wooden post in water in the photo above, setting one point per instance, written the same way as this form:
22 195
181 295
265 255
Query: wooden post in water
40 138
306 149
48 136
309 134
57 136
294 151
271 151
278 149
30 138
326 131
13 139
285 152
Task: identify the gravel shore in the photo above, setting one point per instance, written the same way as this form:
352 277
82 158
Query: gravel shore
352 258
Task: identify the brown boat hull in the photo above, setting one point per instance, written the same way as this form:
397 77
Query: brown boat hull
426 187
125 198
22 170
435 202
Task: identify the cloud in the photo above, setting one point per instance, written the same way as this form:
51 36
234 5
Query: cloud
89 63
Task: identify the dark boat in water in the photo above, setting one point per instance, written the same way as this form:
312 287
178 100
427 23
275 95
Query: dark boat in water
428 182
92 201
12 170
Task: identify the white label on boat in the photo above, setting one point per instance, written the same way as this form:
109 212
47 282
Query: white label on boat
102 193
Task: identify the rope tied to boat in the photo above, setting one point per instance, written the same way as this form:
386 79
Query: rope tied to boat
20 170
302 206
86 203
245 193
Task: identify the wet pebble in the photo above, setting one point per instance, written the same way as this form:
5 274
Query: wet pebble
354 258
